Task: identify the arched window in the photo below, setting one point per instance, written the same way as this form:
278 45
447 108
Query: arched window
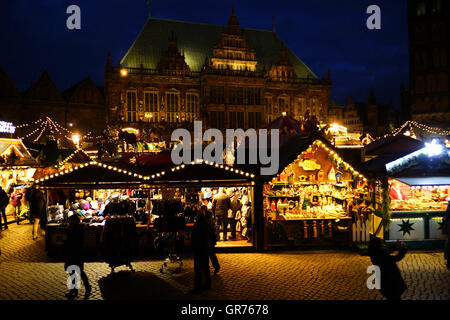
173 105
131 109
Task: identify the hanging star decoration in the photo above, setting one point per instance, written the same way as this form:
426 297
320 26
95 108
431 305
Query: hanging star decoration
406 227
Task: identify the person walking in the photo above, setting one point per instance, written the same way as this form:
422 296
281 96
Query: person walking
212 234
16 202
201 247
37 208
234 213
4 201
221 205
392 283
73 249
446 230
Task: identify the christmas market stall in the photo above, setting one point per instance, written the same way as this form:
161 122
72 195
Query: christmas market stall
419 190
186 187
189 186
17 167
93 191
315 198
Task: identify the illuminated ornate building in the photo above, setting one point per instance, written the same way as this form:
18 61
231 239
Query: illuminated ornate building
230 77
429 31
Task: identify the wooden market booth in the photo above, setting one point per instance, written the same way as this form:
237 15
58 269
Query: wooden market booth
17 167
316 198
88 178
419 189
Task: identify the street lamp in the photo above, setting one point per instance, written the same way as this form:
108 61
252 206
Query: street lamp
123 72
76 140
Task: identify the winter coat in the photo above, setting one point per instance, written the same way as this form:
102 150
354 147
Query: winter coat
120 240
37 204
221 204
447 220
392 283
201 238
4 199
73 246
16 197
235 205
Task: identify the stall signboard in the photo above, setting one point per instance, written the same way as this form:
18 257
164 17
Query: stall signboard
7 127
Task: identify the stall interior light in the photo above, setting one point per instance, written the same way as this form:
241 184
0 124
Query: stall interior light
433 148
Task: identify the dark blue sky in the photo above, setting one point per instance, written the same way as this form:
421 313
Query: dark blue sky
323 33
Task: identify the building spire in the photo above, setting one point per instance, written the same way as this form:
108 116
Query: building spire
273 22
149 5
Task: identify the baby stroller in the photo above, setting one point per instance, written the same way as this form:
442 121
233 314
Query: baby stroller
120 242
170 242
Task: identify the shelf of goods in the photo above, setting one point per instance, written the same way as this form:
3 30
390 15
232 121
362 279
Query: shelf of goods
307 201
418 214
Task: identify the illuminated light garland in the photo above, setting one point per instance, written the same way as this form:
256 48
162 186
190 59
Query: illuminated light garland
212 164
37 139
423 127
91 163
334 155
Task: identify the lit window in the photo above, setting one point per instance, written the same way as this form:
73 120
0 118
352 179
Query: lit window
131 106
191 103
172 107
436 6
421 8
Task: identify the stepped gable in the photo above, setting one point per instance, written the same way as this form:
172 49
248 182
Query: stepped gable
85 92
7 87
44 89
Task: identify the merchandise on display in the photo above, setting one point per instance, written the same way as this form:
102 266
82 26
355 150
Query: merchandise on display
418 198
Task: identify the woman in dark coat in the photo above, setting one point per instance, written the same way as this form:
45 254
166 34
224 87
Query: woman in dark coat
37 208
446 231
201 247
392 283
73 249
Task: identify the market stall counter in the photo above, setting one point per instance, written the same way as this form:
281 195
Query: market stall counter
314 199
419 192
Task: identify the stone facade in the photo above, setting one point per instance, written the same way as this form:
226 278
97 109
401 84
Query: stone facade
429 31
234 86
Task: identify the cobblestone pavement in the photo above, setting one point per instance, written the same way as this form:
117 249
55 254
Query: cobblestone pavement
27 273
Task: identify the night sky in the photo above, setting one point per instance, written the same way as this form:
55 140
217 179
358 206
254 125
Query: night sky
323 33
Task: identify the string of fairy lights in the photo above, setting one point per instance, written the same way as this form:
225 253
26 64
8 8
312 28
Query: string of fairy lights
336 157
411 125
73 155
63 171
48 124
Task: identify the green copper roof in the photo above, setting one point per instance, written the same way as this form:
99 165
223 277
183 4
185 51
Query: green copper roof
197 40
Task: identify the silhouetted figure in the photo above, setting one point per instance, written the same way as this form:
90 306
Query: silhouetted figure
212 234
37 208
201 247
4 201
392 283
221 205
73 249
446 230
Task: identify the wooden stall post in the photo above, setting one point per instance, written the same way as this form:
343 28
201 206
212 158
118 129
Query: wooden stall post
258 214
